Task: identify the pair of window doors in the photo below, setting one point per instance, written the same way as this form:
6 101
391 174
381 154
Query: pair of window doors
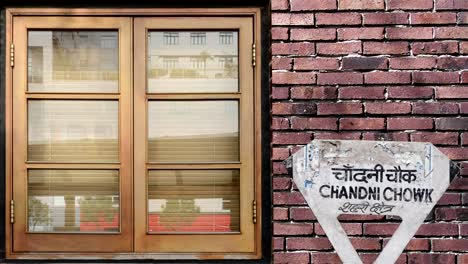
132 135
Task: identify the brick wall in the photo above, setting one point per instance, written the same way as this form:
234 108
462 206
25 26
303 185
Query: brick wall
369 69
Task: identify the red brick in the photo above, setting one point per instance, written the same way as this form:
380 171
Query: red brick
281 19
280 93
409 5
279 5
464 77
433 18
279 168
435 77
338 19
436 138
462 18
463 230
451 32
305 5
281 183
288 198
388 77
452 63
361 4
316 64
455 153
360 33
299 49
464 139
445 47
318 92
415 244
462 259
385 18
435 108
279 123
281 63
278 244
404 123
451 4
280 213
412 63
291 138
410 92
351 229
338 136
414 258
313 34
383 229
279 33
340 48
464 108
280 153
308 243
364 63
293 108
339 108
451 214
332 78
293 78
362 123
382 48
388 108
314 123
450 245
357 92
325 258
302 214
361 243
452 123
459 184
450 199
392 136
291 258
453 92
464 47
409 33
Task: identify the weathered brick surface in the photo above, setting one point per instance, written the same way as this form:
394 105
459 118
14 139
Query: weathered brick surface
369 70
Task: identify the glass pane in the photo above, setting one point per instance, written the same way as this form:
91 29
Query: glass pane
73 201
191 62
193 131
73 61
73 131
193 201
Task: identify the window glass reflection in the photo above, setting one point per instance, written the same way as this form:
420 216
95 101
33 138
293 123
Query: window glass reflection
192 62
73 61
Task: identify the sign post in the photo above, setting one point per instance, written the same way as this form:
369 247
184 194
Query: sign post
370 178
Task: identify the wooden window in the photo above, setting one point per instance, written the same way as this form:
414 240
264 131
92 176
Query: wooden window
133 135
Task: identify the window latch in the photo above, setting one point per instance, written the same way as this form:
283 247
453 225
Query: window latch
12 211
254 55
12 55
254 211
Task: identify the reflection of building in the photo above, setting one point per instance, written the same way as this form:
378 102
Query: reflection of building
79 60
193 54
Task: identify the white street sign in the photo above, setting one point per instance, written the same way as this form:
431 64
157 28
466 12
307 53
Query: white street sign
370 178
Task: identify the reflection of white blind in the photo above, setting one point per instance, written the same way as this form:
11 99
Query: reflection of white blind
193 200
73 200
193 131
73 131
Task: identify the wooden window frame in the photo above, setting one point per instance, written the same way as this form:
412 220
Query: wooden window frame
251 252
